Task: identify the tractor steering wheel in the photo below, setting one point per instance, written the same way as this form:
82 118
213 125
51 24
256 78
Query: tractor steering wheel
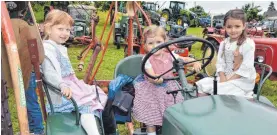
178 64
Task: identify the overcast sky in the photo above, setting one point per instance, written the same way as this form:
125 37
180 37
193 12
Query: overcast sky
218 7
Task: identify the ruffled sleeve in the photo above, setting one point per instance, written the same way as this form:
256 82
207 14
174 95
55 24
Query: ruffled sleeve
220 64
247 68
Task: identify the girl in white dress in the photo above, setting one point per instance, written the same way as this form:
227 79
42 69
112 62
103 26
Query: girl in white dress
235 62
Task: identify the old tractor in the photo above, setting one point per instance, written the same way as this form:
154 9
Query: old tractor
121 29
186 117
151 9
177 13
81 15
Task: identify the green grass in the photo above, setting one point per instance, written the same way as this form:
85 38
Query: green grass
112 57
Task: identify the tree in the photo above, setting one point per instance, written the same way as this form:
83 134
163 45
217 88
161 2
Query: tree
271 7
251 11
199 10
102 5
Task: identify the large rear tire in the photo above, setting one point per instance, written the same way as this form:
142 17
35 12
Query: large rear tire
135 50
180 21
45 13
117 41
6 123
166 15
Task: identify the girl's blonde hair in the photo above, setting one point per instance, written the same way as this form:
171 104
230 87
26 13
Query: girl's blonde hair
153 31
56 17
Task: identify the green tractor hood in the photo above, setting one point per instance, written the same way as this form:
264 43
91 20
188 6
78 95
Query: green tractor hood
220 115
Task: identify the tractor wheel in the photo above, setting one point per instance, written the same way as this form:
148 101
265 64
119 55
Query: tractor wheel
179 21
117 41
45 13
165 15
6 123
135 50
210 69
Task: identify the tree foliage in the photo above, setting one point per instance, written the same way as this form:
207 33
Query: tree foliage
252 11
271 7
102 5
199 10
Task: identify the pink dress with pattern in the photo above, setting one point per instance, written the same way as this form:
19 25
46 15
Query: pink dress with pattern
151 99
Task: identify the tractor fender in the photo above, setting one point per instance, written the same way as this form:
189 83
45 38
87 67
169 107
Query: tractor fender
217 38
213 37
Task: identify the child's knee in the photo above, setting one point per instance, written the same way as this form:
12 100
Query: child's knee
151 128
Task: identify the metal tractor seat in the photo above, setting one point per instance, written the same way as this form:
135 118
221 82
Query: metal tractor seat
65 123
130 66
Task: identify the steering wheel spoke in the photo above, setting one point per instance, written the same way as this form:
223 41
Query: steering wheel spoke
171 53
165 73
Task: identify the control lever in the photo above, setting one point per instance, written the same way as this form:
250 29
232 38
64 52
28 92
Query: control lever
174 94
215 85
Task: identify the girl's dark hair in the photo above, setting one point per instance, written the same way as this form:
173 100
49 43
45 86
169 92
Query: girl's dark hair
240 15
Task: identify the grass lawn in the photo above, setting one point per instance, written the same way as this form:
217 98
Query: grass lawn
112 57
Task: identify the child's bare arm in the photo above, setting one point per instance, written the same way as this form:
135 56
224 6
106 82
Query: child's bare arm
235 76
222 77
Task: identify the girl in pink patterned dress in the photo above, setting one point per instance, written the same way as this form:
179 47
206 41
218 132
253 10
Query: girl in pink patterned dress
151 99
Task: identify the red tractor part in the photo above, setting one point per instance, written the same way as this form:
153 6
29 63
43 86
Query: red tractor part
266 53
15 67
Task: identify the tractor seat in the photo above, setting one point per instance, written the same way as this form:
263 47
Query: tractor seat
65 123
130 66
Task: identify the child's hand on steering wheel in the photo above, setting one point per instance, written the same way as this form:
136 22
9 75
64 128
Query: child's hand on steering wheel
158 81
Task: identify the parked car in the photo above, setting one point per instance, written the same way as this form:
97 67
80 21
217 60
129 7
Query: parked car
266 25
